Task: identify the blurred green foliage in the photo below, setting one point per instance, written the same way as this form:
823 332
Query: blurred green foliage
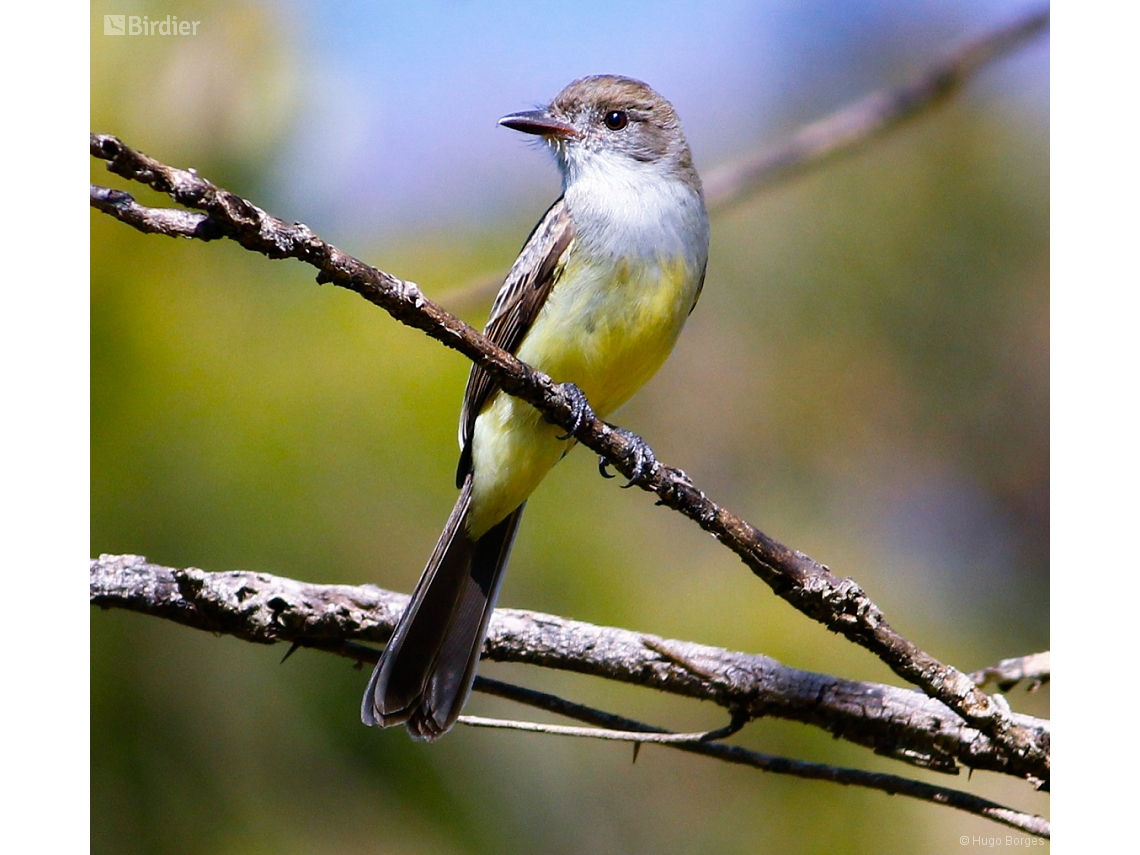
866 379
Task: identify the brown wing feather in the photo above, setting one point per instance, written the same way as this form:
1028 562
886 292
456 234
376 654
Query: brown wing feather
518 303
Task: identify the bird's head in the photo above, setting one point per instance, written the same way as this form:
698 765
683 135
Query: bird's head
607 121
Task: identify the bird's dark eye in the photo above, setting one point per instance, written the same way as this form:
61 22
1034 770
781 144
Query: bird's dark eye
616 120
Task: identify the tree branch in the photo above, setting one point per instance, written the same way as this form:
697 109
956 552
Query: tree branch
646 736
262 608
898 723
172 222
839 604
1009 672
869 118
891 784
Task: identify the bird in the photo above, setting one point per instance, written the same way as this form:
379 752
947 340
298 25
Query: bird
596 298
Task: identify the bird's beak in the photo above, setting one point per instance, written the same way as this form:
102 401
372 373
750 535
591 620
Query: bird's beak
541 123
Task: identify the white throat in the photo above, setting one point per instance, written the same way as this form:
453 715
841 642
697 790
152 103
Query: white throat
622 207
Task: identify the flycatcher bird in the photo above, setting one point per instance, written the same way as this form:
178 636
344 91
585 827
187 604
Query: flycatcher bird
597 298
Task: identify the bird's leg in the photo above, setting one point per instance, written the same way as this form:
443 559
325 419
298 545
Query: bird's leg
643 457
580 410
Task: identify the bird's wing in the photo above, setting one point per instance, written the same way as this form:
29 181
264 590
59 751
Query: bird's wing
518 303
700 287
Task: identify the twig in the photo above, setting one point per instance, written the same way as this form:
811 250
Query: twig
258 607
641 737
870 117
172 222
1009 672
839 604
890 784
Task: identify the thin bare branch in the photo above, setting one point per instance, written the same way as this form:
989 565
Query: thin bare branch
890 784
640 737
1009 672
898 723
839 604
869 118
172 222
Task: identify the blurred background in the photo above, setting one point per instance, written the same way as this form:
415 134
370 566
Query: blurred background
865 379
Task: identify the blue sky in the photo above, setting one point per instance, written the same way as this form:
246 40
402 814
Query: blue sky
398 102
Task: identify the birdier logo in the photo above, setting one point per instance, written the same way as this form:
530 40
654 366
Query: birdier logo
141 25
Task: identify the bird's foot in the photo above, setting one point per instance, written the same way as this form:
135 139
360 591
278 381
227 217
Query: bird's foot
580 410
643 458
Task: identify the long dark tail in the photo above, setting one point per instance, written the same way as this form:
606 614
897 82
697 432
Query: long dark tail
425 674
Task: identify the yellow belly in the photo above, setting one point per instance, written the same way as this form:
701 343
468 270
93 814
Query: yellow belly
605 329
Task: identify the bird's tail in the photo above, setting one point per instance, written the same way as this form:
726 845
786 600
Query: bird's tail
425 674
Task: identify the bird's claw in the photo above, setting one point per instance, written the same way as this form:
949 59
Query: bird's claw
643 459
579 408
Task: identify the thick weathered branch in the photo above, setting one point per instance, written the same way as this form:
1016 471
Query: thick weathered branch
267 609
898 723
839 604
